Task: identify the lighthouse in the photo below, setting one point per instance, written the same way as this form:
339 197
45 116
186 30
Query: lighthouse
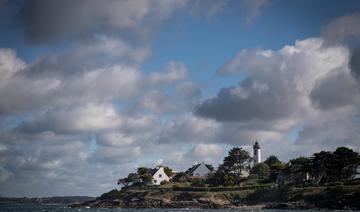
257 153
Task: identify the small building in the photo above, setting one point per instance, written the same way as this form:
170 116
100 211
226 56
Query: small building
158 174
199 170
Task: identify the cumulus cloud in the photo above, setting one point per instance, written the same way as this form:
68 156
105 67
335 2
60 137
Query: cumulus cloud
49 83
278 85
306 87
85 118
98 53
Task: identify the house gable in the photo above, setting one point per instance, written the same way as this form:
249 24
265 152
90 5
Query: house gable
199 170
159 175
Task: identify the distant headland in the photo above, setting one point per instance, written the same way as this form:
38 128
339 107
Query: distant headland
325 180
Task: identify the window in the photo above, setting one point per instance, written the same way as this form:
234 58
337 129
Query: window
155 181
160 175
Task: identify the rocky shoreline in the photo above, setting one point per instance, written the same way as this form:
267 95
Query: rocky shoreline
201 203
329 197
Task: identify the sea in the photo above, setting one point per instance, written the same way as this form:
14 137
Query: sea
63 208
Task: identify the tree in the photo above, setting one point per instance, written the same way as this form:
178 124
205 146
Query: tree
299 168
272 160
233 166
168 171
323 167
144 174
179 177
300 165
131 179
261 170
347 162
237 161
275 166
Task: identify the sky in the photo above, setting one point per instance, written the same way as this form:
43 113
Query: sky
90 90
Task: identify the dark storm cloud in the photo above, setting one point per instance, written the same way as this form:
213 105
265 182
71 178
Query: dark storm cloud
355 63
336 90
346 29
48 21
342 29
252 100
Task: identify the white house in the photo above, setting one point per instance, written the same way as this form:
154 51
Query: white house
199 170
158 174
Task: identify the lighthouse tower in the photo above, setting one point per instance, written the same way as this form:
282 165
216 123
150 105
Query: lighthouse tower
257 153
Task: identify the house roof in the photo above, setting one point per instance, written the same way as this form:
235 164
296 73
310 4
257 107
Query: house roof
194 167
154 170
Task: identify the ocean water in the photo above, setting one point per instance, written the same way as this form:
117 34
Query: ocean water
63 208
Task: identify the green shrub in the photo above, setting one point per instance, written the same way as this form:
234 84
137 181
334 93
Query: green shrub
164 182
198 189
113 194
198 182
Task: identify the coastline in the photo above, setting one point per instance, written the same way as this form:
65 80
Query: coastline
330 197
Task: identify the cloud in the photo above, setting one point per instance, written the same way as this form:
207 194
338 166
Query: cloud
48 83
209 153
252 8
27 94
278 82
355 63
307 87
341 29
345 30
336 90
44 22
86 118
98 53
217 7
174 71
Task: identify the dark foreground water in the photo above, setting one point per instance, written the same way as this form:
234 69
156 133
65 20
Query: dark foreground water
63 208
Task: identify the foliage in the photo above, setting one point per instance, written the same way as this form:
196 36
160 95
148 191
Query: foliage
168 171
237 161
231 170
113 194
272 160
131 179
179 177
347 162
198 182
323 167
275 166
144 174
332 166
164 182
261 170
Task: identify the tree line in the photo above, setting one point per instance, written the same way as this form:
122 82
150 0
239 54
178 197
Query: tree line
321 168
